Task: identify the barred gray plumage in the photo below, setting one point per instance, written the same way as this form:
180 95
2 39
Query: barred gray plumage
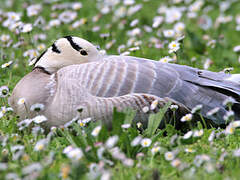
121 75
63 95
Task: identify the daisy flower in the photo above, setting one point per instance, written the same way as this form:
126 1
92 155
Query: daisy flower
154 105
155 149
168 33
188 135
111 141
166 59
146 142
136 141
5 38
26 28
229 129
96 131
179 27
189 150
37 107
169 156
21 101
197 109
75 154
6 64
126 126
39 119
157 21
198 133
145 109
4 90
40 145
174 46
176 163
174 107
187 117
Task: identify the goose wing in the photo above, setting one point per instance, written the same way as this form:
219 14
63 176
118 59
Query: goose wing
70 95
121 75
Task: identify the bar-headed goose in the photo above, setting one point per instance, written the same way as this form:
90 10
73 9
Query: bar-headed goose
62 93
72 73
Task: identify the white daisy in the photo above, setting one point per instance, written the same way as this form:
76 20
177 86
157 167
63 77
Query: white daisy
4 90
39 119
5 38
197 109
166 59
173 46
21 101
169 156
26 28
187 117
37 107
6 64
154 105
96 131
198 133
111 141
179 27
176 163
146 142
188 135
168 33
40 145
75 154
126 126
145 109
136 141
174 107
155 149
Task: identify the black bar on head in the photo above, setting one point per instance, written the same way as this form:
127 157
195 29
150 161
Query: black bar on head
55 49
73 44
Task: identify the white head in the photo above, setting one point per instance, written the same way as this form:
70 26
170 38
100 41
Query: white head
67 51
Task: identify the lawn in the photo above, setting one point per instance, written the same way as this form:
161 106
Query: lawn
208 33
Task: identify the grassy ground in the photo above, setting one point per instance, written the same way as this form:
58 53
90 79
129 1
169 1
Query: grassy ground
210 37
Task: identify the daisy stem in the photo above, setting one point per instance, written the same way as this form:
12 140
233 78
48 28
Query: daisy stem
174 119
190 124
203 120
151 161
230 107
10 77
26 109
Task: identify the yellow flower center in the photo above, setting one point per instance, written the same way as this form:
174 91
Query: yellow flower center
22 101
40 147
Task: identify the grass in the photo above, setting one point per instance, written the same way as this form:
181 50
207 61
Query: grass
204 159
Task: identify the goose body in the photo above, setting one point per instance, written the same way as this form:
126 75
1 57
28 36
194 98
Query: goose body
63 96
98 83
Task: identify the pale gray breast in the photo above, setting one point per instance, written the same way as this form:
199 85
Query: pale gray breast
35 88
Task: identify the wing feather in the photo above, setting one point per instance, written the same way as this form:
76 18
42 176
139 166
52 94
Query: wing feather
120 75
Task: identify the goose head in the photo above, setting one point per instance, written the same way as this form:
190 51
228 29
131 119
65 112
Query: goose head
67 51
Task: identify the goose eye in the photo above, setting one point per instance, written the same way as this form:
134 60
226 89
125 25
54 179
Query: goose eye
83 52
